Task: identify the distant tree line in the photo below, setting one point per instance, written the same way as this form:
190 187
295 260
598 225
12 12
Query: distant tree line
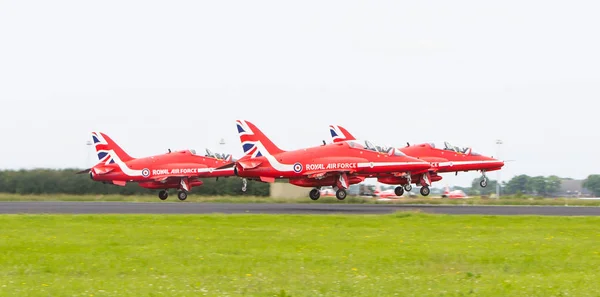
544 186
66 181
592 183
520 185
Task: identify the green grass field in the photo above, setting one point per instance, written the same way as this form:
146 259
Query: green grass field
254 199
284 255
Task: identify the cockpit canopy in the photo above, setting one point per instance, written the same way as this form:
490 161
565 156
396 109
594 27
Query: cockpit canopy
463 150
223 156
367 145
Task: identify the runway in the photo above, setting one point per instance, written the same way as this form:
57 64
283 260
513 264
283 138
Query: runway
277 208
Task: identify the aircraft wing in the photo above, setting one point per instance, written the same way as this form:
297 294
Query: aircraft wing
433 169
319 174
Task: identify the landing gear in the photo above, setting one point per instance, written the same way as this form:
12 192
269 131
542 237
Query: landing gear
408 185
244 185
314 194
399 191
163 195
483 182
182 195
341 194
425 191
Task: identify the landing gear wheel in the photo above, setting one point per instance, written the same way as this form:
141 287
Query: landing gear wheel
314 194
244 185
483 183
163 195
341 194
182 195
408 187
399 191
425 191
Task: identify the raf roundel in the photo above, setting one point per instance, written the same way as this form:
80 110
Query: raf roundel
297 167
145 172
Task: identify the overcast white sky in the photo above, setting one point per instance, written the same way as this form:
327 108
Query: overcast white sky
177 74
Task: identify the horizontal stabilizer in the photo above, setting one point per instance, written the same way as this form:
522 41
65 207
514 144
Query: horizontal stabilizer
249 164
119 183
84 171
102 170
267 179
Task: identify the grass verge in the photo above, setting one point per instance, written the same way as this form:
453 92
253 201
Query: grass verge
404 254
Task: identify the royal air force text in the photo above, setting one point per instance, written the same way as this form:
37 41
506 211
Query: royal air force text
311 167
177 171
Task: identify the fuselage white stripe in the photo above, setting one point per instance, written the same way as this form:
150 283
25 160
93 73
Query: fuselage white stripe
382 164
467 163
123 166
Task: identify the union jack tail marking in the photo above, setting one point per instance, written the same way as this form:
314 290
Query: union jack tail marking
339 133
107 149
255 143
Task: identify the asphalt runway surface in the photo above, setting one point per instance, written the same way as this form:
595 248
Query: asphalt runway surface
280 208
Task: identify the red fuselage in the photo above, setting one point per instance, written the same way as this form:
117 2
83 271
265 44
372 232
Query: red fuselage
320 166
161 171
443 160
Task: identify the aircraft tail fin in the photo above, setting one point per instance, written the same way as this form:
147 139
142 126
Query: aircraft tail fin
108 150
254 142
339 133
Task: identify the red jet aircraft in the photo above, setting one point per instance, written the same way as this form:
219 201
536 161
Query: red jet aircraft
338 165
449 159
456 194
174 170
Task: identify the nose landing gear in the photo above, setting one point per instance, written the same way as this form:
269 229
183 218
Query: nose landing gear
484 181
408 185
244 185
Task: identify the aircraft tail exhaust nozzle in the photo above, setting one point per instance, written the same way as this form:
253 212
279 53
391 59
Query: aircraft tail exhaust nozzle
84 171
88 171
254 142
108 150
